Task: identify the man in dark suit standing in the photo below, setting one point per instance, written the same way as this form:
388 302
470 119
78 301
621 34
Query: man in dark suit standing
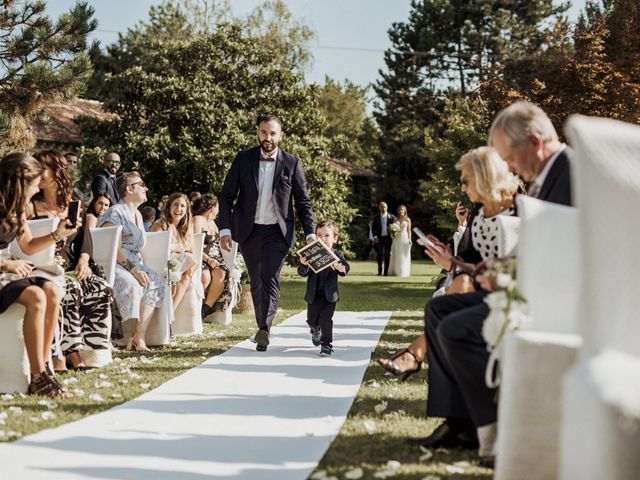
105 181
382 236
524 136
256 210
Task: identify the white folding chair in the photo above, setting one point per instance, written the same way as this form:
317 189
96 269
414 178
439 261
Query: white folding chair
187 317
602 391
534 361
155 254
105 249
14 365
226 317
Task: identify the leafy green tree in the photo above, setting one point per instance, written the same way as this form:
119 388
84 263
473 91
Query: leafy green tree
185 20
444 51
344 107
193 105
41 61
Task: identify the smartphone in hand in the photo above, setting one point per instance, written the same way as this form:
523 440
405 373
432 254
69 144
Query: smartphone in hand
74 213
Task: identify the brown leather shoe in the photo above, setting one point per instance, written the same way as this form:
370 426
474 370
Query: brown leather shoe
444 437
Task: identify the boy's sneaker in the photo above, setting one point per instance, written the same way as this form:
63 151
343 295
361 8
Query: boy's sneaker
315 337
326 351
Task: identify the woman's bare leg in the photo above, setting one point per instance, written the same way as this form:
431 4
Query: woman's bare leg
180 289
215 287
51 313
34 300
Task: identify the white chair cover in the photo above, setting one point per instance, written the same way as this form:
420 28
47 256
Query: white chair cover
14 365
601 419
38 228
156 253
529 409
105 249
226 317
606 170
508 235
187 317
548 266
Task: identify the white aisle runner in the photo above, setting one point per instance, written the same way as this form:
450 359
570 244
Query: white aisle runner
240 415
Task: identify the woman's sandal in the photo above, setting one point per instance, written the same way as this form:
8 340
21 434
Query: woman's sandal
46 385
391 366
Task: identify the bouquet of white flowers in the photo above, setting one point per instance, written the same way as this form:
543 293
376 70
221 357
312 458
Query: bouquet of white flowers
508 311
172 273
394 229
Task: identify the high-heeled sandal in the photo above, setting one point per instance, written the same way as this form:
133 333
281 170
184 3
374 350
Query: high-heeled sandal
392 366
46 385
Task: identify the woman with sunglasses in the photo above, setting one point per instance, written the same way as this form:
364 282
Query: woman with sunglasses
138 290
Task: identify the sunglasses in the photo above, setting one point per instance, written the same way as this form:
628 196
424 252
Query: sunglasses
141 183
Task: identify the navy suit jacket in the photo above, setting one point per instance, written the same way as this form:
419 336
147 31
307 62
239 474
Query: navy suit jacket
329 277
376 226
104 183
557 186
239 195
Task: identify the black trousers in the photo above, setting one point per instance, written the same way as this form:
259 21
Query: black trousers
458 357
264 253
383 252
320 316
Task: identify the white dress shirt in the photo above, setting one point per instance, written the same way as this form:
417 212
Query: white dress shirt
265 211
384 217
536 186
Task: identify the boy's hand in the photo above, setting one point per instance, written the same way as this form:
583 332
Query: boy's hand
339 267
303 260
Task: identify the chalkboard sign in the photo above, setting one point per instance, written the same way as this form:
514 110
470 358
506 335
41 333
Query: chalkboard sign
318 256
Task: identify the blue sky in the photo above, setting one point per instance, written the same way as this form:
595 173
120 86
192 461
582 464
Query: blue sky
351 35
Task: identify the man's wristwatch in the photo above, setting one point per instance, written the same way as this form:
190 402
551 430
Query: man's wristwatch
127 265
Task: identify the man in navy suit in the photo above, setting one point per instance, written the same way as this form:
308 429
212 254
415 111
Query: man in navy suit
382 236
105 181
257 211
525 138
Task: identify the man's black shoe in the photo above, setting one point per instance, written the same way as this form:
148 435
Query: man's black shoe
488 461
443 436
262 340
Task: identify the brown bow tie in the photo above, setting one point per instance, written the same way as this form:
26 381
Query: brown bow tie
267 159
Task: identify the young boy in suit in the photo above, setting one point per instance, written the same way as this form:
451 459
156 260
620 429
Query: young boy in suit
322 290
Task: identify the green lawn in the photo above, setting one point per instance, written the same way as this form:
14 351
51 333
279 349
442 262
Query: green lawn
131 374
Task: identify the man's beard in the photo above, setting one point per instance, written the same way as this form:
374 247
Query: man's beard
268 147
113 170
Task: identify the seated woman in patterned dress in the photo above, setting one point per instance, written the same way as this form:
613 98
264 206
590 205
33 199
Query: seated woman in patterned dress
215 274
19 180
138 290
176 217
85 322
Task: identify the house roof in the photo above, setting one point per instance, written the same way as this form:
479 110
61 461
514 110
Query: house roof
59 126
352 170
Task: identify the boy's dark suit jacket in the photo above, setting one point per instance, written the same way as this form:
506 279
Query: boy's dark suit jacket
330 277
239 195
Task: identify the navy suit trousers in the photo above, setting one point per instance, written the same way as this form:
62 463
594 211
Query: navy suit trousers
264 252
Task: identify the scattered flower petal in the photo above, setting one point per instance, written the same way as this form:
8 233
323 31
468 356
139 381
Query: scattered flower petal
442 450
370 426
70 380
319 475
116 395
381 407
34 419
428 455
432 477
16 410
47 415
354 474
144 386
95 397
393 465
454 469
124 381
78 392
103 376
7 396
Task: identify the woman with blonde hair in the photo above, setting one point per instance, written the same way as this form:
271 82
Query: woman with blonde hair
486 180
176 217
400 265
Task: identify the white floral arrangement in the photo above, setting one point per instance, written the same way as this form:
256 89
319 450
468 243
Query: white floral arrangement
394 229
172 273
508 311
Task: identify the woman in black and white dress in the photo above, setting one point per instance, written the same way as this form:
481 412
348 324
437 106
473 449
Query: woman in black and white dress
486 180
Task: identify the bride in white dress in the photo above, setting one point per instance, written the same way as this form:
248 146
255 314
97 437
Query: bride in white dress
401 244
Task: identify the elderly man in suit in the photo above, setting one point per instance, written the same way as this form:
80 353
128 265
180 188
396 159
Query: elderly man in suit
105 181
382 236
257 211
525 138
